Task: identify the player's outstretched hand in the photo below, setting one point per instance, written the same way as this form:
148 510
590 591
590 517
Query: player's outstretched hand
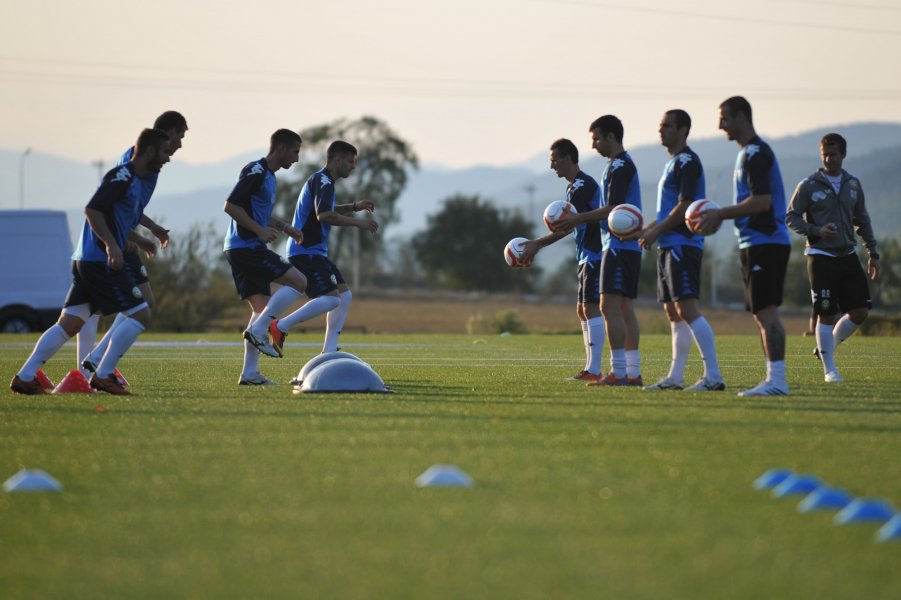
529 250
294 233
162 234
114 257
566 223
147 246
367 205
710 222
368 225
646 238
267 234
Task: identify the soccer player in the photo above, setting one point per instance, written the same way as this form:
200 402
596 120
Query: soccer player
254 266
584 193
315 215
679 254
99 281
826 208
763 240
175 126
621 260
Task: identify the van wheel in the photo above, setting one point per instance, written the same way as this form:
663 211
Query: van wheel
17 322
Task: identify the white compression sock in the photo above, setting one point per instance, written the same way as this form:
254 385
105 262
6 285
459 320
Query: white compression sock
681 348
844 329
121 340
633 364
775 372
705 340
48 345
335 322
99 350
596 334
85 339
278 303
826 344
251 354
312 308
587 343
618 362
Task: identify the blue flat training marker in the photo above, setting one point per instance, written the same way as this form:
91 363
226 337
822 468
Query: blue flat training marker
865 510
891 531
797 485
444 476
32 480
825 498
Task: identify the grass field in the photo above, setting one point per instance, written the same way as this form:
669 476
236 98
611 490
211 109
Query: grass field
195 487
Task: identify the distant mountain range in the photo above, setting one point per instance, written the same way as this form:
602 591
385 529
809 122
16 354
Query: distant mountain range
191 193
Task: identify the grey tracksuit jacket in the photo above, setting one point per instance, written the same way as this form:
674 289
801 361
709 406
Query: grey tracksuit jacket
815 203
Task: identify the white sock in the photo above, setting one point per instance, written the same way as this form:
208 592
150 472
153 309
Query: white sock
618 362
335 322
597 332
48 345
704 338
85 339
99 350
278 303
826 344
681 348
633 364
251 354
586 341
844 329
121 340
775 372
312 308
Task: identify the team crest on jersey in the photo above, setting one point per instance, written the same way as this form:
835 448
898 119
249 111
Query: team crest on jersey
136 292
324 180
684 158
578 183
751 150
333 279
817 196
122 174
616 163
256 169
143 271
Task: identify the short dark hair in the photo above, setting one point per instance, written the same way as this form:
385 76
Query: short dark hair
284 137
608 124
565 147
738 105
339 147
834 139
171 120
682 118
150 138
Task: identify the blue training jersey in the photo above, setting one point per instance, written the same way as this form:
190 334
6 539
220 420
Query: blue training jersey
585 194
149 181
620 186
682 180
757 173
120 198
316 197
255 193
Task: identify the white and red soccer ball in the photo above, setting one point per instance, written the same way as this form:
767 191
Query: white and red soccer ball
556 211
624 220
513 252
695 213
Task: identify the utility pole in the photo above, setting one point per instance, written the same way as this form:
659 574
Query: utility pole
99 164
22 177
530 190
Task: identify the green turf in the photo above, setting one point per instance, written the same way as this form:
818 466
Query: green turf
196 487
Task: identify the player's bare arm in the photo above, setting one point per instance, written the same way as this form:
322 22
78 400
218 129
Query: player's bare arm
158 231
286 228
356 206
751 205
531 247
649 234
98 223
142 243
335 219
266 234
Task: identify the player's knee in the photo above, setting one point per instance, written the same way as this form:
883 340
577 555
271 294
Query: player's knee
858 315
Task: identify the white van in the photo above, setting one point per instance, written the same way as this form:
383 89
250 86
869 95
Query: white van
35 268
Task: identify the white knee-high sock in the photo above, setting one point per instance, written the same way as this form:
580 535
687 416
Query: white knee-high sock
85 339
705 340
312 308
48 345
335 322
121 340
251 354
99 350
681 348
826 344
633 364
597 332
278 303
844 329
586 343
618 362
775 372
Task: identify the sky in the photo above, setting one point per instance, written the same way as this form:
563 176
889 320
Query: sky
467 82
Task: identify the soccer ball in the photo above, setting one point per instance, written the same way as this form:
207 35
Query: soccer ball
555 212
695 212
624 220
513 251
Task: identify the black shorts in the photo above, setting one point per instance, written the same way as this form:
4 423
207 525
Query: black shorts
106 290
763 272
589 282
254 270
619 272
837 284
678 273
136 268
321 273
